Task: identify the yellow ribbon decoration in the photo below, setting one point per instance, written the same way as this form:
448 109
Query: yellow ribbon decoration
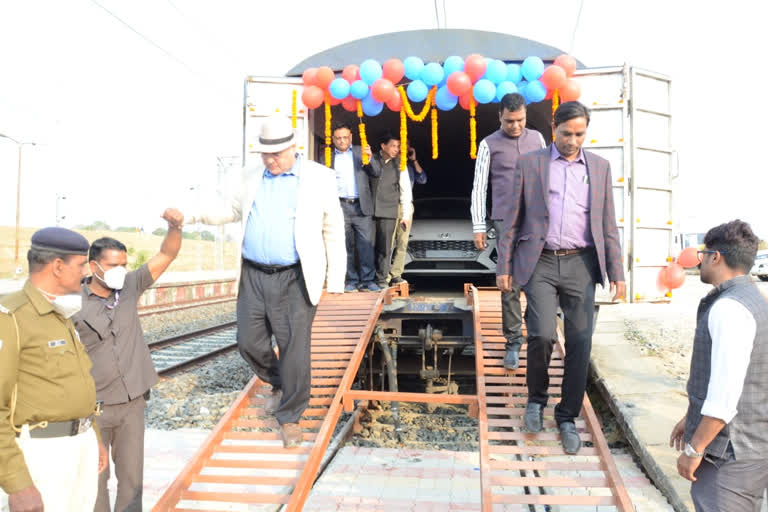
361 127
424 111
555 104
293 109
434 133
472 129
327 130
403 140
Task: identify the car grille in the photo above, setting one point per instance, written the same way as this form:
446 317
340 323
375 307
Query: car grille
453 249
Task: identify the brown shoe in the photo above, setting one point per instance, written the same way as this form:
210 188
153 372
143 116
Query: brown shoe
273 402
292 435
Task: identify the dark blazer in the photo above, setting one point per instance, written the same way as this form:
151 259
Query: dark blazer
362 172
525 230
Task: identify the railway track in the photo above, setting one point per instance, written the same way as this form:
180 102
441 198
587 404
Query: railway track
177 353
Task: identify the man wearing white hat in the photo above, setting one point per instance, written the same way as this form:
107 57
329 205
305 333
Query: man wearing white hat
293 241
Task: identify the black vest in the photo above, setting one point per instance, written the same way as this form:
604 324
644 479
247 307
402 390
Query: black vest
386 188
748 430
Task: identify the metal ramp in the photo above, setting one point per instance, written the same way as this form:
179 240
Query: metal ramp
518 468
243 460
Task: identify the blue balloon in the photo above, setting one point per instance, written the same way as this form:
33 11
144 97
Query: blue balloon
417 91
453 63
484 91
496 71
371 107
532 68
514 74
505 88
370 71
413 67
535 91
358 89
339 88
444 99
432 74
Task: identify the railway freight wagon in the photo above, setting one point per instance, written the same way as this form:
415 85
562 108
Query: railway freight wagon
630 127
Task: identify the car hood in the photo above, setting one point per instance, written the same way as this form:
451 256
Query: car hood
441 229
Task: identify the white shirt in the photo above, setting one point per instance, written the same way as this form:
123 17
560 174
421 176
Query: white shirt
732 329
344 165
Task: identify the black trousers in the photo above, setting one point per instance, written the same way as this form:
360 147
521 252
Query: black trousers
569 280
385 230
277 304
511 311
358 233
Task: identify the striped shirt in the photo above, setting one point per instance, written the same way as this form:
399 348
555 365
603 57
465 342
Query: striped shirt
483 168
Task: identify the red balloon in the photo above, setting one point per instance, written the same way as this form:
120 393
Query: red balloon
349 103
550 94
570 91
333 101
351 73
553 77
324 77
312 96
661 286
474 66
395 103
393 70
689 257
309 76
566 62
464 100
459 83
674 276
382 90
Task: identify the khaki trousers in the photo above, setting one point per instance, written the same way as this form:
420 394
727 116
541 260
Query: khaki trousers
400 245
65 470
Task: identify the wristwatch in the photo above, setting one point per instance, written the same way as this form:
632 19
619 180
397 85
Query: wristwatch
690 452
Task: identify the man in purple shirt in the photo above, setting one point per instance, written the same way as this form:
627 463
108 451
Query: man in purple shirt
558 242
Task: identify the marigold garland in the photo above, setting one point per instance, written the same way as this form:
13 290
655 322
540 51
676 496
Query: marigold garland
403 140
555 104
363 137
293 109
434 133
472 129
424 111
327 130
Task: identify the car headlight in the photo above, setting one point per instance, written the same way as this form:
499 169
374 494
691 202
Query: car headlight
491 233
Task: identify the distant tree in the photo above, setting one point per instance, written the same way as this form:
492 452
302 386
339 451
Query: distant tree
160 232
127 229
98 225
189 235
207 235
141 258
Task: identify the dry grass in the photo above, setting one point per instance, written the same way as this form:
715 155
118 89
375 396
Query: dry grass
194 255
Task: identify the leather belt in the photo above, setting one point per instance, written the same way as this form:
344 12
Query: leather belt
61 428
566 252
270 269
349 200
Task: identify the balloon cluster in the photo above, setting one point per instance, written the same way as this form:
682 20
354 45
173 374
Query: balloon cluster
457 81
673 275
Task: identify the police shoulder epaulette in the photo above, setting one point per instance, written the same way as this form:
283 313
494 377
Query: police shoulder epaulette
4 310
12 302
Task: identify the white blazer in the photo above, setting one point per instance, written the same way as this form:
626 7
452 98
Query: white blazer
319 227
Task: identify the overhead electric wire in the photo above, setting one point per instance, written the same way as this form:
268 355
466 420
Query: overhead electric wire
575 27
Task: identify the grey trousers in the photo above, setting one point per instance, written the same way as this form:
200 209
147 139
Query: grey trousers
277 304
569 281
729 485
511 311
358 233
122 432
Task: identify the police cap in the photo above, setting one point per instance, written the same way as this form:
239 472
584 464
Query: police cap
61 240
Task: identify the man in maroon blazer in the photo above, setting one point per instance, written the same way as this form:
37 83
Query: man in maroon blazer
558 242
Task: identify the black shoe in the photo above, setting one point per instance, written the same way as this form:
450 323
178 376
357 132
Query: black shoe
569 436
397 280
534 417
512 359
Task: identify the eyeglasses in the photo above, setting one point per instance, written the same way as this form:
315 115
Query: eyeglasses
701 254
342 137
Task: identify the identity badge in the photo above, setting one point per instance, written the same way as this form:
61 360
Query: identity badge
56 343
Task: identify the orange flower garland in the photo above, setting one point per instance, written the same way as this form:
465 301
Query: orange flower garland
327 130
361 127
293 109
555 104
424 111
403 140
434 133
472 129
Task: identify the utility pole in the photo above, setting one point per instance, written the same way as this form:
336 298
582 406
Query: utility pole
18 202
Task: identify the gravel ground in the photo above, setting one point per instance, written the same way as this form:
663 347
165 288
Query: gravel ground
164 325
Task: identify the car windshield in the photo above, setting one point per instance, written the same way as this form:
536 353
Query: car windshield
442 208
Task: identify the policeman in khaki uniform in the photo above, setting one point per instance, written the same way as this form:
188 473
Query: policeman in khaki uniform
50 450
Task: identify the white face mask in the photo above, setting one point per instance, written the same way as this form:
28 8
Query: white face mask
65 305
114 278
